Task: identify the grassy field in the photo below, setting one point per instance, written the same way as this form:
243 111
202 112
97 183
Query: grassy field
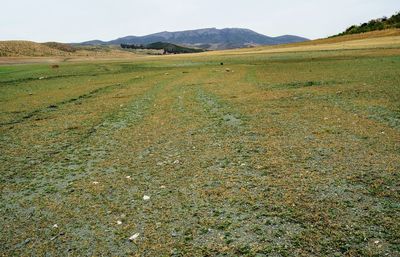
288 153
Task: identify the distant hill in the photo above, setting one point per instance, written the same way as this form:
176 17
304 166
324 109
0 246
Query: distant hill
210 38
28 48
373 25
18 48
166 47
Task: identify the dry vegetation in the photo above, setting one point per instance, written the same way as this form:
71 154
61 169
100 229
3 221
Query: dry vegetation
272 154
54 49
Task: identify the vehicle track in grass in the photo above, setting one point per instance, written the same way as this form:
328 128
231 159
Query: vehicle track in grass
243 160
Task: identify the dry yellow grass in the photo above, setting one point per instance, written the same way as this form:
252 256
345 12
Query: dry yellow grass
377 39
23 49
27 48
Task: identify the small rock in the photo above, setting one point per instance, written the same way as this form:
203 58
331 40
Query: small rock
134 237
146 197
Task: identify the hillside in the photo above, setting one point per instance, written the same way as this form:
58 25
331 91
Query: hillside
28 48
383 39
373 25
210 38
55 49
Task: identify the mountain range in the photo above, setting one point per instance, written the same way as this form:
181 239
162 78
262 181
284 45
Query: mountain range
209 38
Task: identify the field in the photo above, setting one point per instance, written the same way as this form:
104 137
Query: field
280 151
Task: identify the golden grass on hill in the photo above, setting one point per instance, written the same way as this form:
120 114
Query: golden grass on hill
377 39
28 48
54 49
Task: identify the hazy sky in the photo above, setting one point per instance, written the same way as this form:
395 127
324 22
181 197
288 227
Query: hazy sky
81 20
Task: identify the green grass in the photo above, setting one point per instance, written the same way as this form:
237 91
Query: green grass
292 154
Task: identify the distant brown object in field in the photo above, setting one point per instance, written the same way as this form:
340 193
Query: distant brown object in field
55 66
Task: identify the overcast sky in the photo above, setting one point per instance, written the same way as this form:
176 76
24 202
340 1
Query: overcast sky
81 20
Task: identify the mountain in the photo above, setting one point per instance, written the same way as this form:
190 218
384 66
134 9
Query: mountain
210 38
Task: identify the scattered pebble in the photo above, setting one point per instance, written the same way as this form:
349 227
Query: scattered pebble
146 197
134 237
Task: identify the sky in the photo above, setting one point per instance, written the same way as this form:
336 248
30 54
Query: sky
82 20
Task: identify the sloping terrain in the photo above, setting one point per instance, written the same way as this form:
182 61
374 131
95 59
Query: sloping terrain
376 39
28 48
54 49
374 25
290 153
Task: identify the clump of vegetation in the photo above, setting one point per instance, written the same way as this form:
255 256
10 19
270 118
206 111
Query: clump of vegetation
373 25
168 48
